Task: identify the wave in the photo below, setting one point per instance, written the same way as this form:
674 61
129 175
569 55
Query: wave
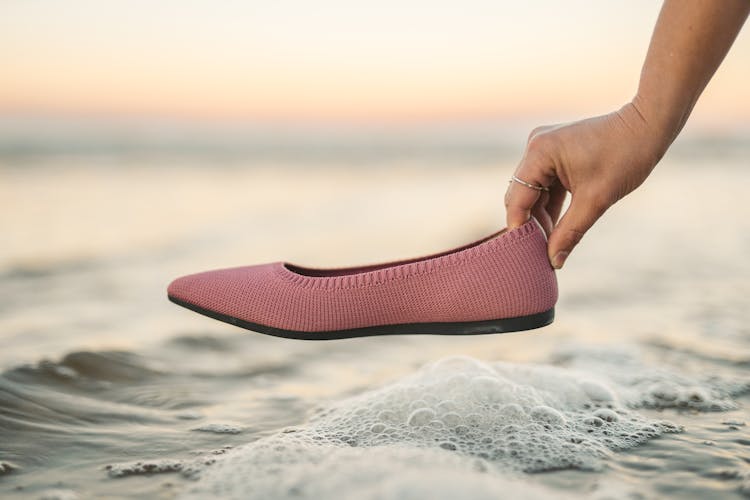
471 426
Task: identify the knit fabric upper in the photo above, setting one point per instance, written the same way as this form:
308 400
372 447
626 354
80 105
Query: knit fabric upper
504 275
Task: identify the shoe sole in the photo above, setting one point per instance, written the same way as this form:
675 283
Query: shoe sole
507 325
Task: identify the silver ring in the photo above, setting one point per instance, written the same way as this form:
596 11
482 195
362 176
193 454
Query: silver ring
524 183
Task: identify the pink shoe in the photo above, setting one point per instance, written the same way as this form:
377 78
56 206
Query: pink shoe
500 283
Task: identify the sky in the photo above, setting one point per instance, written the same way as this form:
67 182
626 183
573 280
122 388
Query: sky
391 60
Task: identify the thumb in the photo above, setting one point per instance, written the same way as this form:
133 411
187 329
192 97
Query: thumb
582 213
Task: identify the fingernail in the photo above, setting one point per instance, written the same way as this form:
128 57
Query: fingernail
559 259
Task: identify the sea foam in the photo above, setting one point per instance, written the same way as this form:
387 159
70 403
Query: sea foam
654 383
456 427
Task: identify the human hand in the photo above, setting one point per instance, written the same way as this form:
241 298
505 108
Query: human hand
598 160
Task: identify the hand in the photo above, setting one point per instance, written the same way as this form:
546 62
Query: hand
598 160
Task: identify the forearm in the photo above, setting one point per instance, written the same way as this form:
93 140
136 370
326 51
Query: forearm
689 42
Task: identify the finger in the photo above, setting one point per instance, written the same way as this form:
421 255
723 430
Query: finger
540 211
582 213
557 196
536 169
547 208
519 200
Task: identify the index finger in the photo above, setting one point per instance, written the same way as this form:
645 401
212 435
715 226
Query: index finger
519 198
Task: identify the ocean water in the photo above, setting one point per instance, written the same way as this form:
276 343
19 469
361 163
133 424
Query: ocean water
640 388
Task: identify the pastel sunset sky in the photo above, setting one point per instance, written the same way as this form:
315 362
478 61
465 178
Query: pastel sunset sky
338 59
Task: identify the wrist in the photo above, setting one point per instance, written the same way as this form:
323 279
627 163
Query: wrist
663 117
652 133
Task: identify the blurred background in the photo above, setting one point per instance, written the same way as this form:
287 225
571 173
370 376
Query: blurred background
95 96
122 122
142 140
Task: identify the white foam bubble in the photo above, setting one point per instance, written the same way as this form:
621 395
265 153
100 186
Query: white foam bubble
458 423
654 383
294 467
219 428
145 467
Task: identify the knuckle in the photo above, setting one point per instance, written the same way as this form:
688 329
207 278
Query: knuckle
535 132
536 142
532 134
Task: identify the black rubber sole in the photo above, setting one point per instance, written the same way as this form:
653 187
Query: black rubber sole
507 325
